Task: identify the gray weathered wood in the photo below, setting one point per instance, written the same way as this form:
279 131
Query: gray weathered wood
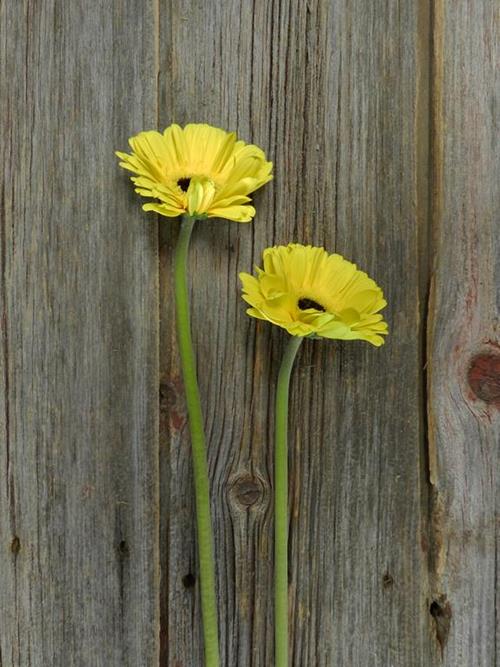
78 409
464 351
330 91
379 118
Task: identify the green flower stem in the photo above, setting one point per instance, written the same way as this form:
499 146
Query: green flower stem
281 505
200 467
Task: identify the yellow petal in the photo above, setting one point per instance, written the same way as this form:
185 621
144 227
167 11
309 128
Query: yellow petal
306 291
236 213
218 171
163 209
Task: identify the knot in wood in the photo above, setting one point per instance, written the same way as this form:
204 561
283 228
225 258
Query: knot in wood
247 491
169 391
484 377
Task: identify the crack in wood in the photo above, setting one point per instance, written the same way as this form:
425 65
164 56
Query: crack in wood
440 610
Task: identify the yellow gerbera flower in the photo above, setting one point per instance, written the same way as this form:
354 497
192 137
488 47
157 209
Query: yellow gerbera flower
200 170
311 293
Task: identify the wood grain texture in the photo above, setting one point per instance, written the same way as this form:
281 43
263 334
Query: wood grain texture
78 407
380 120
330 91
464 351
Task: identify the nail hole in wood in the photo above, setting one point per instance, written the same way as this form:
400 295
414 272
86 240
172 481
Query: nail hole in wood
123 548
188 580
15 545
387 580
440 610
435 609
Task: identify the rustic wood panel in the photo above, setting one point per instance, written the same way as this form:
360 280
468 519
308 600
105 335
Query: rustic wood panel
78 408
464 352
380 122
336 94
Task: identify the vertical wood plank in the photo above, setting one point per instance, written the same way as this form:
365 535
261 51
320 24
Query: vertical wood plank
464 353
330 91
79 309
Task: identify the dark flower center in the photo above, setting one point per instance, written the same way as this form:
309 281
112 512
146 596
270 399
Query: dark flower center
183 183
304 304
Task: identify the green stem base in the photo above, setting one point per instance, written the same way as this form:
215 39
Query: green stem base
200 467
281 505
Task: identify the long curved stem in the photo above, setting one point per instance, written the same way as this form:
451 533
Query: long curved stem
200 467
281 505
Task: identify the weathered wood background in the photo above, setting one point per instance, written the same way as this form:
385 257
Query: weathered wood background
380 119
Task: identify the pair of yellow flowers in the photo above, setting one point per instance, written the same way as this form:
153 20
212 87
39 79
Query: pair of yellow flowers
206 172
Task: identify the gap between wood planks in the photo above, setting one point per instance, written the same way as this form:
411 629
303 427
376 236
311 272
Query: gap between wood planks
429 215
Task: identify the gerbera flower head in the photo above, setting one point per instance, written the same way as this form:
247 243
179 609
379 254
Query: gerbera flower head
309 292
199 170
